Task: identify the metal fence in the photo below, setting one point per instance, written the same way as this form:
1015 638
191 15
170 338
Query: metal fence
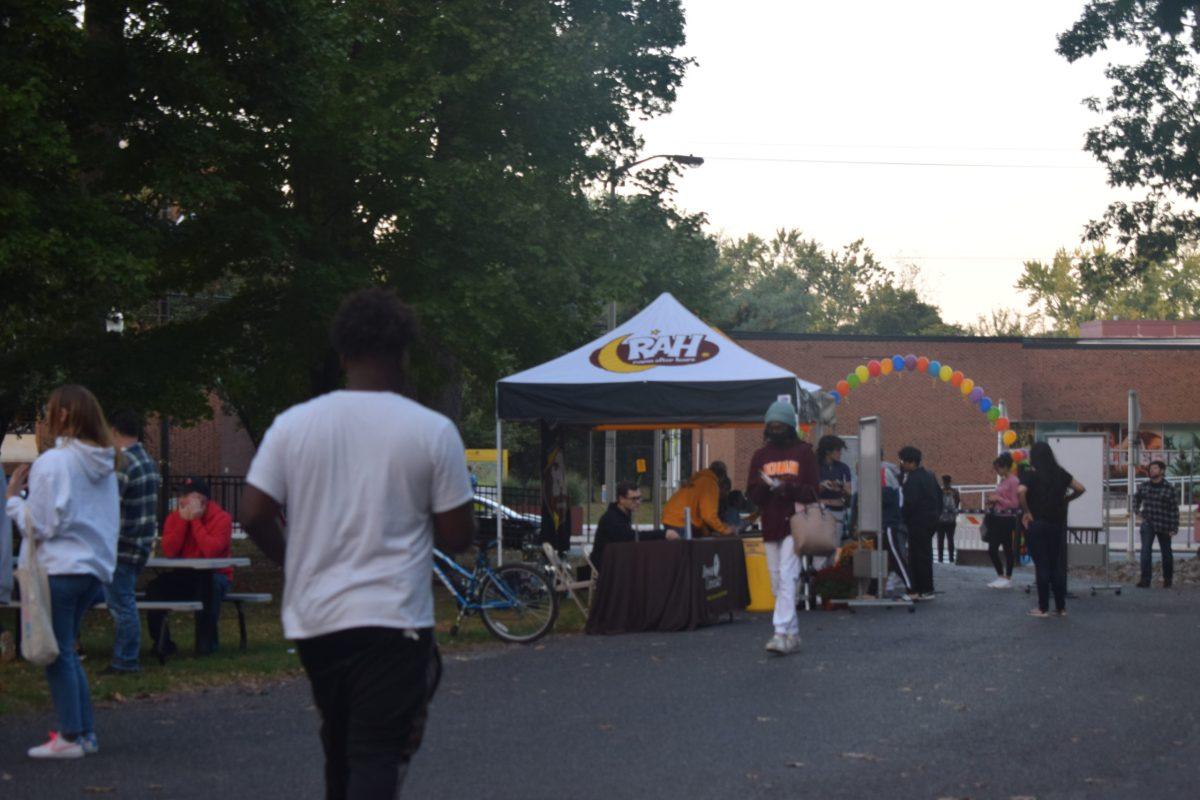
521 500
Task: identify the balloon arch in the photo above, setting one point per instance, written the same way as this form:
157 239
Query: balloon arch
898 365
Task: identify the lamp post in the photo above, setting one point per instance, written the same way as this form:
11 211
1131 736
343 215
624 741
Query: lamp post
610 437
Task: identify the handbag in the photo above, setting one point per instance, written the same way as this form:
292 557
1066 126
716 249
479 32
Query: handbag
814 530
38 644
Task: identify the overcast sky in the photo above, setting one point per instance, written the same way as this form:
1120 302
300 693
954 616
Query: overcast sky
781 84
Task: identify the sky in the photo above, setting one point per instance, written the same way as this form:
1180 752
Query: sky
781 84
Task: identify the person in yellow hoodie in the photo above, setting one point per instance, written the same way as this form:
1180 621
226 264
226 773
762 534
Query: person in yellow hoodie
702 494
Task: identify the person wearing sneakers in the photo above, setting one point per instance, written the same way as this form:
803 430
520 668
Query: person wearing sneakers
1000 521
1158 503
922 508
1045 492
783 472
73 511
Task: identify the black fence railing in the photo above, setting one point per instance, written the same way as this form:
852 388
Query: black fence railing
522 501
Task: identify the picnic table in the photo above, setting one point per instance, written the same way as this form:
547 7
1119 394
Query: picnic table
208 566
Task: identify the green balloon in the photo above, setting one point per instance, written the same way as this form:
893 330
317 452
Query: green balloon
853 380
993 413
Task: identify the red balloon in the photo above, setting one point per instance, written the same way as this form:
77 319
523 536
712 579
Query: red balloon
922 364
1002 424
1018 456
956 379
873 368
843 388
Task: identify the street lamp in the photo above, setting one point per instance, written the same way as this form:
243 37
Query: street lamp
610 437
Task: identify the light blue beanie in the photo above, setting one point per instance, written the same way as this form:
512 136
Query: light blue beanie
782 411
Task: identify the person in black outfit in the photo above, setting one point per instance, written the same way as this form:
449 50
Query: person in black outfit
951 501
1044 497
922 508
616 524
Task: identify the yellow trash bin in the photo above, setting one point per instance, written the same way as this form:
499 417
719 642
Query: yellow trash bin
758 576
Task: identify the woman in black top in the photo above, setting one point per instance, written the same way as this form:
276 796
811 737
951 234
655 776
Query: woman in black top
1044 497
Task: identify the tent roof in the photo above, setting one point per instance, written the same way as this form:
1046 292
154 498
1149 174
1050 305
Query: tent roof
663 365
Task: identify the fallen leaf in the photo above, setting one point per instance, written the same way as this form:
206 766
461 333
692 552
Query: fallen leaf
1076 739
607 727
765 719
540 647
99 789
5 777
117 697
796 764
860 756
155 786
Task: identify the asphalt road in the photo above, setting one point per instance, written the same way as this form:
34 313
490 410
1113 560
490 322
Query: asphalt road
967 697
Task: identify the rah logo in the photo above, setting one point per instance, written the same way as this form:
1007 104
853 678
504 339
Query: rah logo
629 353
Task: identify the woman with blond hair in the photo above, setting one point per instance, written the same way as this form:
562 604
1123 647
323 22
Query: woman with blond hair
73 512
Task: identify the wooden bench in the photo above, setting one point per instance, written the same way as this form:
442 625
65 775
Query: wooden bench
239 599
142 605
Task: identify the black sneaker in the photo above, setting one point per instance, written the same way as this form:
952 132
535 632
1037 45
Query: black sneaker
111 670
1167 583
1143 584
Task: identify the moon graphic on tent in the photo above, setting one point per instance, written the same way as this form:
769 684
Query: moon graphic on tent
606 358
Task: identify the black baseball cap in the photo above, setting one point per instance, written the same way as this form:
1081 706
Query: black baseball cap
194 483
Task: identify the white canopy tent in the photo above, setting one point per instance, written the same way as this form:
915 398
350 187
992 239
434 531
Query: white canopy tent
662 368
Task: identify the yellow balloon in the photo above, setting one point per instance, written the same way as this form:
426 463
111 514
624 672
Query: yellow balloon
862 372
1009 437
945 372
885 366
966 386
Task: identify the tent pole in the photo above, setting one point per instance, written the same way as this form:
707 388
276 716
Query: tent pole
658 482
499 492
587 514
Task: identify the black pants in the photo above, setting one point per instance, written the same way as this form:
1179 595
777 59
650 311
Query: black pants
372 687
920 559
1001 531
1048 546
187 584
945 535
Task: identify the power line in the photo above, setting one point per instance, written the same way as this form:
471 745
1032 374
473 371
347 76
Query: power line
872 163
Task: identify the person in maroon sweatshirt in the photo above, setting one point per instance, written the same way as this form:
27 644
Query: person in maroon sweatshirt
197 528
783 472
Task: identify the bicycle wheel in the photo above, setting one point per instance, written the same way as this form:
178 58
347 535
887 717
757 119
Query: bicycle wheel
518 604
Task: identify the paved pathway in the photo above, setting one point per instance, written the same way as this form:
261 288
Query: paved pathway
965 698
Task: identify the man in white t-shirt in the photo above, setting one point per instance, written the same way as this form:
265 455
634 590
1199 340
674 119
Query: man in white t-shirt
369 479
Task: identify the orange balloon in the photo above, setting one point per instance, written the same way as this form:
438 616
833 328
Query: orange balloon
956 379
843 388
1002 424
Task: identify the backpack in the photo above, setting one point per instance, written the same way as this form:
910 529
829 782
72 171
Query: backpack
949 507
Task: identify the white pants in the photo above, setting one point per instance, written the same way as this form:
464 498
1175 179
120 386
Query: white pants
784 567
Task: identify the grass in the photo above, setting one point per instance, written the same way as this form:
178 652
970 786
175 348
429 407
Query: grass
268 655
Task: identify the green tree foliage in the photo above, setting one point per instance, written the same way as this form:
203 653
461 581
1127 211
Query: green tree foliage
269 157
1151 135
791 284
1077 287
1007 322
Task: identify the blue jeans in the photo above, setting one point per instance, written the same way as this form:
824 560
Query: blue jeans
1164 544
70 597
120 595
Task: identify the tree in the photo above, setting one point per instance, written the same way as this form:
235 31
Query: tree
792 284
899 310
1076 287
1007 322
1151 136
271 157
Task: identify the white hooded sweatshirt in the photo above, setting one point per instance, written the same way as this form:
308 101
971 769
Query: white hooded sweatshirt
74 510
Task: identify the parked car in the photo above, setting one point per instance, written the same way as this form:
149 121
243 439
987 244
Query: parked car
520 529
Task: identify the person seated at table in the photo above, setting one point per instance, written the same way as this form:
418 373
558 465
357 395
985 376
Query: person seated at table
197 528
702 494
616 524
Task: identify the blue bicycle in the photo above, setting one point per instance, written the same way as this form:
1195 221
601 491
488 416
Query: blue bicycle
516 602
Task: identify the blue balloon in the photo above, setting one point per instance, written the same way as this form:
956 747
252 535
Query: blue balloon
985 405
837 397
934 368
898 363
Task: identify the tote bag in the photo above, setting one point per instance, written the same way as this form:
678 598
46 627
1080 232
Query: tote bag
38 645
814 530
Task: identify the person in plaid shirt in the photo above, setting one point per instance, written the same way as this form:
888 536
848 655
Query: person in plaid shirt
138 482
1158 503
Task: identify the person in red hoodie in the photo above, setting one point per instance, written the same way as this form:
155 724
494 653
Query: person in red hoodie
783 472
197 528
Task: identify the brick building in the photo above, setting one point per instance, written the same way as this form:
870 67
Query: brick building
1047 385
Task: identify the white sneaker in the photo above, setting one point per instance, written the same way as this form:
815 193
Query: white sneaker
778 644
996 584
1003 583
57 747
793 643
